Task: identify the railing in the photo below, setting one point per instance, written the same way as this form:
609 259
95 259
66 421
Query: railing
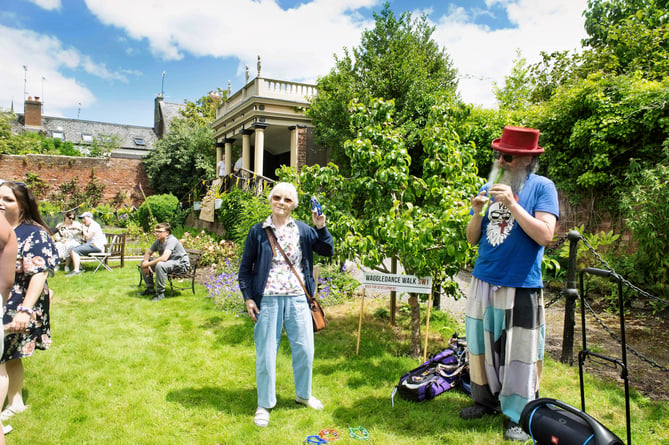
247 181
268 88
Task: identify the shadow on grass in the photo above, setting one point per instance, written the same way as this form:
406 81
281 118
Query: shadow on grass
234 401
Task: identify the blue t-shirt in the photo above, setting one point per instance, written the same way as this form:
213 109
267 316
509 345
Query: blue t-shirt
507 255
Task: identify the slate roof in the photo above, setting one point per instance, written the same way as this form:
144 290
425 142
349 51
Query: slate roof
135 141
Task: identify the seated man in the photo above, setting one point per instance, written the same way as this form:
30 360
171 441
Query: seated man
172 257
94 242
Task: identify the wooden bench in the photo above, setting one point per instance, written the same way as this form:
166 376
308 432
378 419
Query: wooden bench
194 256
114 250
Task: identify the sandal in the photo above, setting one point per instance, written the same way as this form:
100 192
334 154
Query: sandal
476 411
261 418
10 412
311 402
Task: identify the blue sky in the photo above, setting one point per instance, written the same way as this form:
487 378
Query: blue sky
103 60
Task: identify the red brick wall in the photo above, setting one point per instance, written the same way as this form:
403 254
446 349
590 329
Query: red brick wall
117 175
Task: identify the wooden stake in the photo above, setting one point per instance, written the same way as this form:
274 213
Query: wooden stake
362 307
427 325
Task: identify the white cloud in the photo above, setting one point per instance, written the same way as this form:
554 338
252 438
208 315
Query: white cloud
49 5
296 44
484 56
46 61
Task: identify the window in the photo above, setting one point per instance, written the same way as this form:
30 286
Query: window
58 134
139 141
87 138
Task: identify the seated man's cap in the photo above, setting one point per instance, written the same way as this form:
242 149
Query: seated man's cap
86 214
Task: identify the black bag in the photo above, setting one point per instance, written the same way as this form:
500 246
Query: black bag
441 372
549 422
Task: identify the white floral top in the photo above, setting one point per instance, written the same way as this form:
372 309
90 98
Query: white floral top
281 279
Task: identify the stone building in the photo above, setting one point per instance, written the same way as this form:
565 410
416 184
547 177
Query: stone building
265 125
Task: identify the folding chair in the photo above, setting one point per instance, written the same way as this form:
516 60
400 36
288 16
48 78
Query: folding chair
102 257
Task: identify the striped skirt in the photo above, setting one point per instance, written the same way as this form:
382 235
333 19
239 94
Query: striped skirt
505 329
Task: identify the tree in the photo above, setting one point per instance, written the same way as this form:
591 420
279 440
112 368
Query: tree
186 156
595 127
203 111
383 211
182 159
396 60
515 94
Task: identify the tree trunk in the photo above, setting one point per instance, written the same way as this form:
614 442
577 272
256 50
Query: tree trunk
415 325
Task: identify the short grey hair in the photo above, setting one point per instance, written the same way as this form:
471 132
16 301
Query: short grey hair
288 189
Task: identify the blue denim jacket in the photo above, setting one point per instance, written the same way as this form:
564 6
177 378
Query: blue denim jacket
257 258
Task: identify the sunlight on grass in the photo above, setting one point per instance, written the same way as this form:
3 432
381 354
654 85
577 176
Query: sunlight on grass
126 370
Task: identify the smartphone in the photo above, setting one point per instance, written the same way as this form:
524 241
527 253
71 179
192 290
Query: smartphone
315 205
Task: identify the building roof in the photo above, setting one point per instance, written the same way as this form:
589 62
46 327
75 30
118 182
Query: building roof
134 141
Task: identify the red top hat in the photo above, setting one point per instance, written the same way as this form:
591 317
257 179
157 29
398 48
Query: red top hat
518 141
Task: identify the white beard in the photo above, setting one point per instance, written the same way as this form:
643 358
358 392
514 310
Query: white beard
514 178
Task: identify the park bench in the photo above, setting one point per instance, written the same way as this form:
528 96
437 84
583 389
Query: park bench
194 256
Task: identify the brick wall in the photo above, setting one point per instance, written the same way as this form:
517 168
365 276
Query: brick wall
117 175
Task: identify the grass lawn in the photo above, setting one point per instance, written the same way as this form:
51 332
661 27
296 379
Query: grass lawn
125 370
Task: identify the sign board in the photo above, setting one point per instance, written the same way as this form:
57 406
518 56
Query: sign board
398 283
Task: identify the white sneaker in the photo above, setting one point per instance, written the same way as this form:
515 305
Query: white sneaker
67 269
6 429
312 402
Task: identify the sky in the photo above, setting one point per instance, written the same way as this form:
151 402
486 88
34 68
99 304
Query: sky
107 60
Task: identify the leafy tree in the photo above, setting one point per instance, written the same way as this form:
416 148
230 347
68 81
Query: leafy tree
593 129
182 159
625 37
203 111
515 94
185 157
397 59
383 211
628 36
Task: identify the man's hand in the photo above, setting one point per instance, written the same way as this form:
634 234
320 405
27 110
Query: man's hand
146 268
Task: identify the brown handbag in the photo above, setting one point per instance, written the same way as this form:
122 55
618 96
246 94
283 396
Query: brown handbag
317 314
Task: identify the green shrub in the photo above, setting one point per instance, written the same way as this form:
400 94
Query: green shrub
646 211
159 208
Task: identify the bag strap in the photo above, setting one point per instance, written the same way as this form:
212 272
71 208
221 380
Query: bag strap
275 244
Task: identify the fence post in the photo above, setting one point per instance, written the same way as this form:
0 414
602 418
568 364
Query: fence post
571 294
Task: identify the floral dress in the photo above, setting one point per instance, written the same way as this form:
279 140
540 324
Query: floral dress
36 253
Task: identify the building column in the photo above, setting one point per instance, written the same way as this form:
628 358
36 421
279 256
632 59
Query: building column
259 148
246 149
219 154
293 146
228 155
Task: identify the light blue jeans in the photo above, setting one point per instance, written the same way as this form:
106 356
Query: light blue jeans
293 314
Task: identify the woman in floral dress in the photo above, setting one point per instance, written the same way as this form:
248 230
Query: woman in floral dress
26 315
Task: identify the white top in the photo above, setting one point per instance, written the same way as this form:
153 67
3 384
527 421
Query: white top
98 239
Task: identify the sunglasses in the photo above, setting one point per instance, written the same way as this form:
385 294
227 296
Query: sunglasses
278 198
507 158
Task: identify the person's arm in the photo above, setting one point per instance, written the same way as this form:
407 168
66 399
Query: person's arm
146 266
164 257
8 249
35 288
245 275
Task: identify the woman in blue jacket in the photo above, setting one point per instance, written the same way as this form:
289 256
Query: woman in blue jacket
275 298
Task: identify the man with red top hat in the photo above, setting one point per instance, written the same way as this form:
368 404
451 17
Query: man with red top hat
513 219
